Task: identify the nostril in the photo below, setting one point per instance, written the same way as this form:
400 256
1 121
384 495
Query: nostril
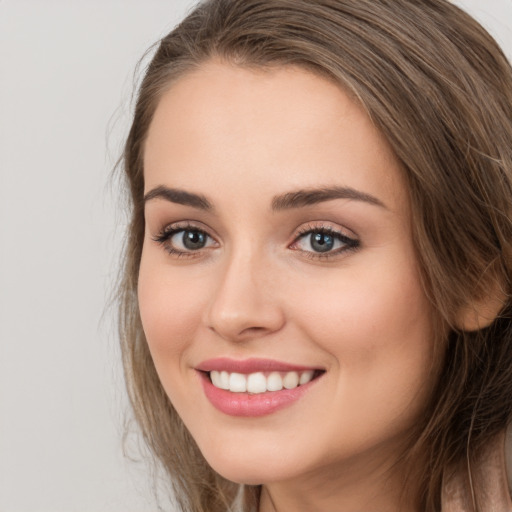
253 332
242 334
254 329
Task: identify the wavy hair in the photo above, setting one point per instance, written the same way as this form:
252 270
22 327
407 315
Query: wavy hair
439 88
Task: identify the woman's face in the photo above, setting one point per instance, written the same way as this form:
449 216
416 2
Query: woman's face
278 261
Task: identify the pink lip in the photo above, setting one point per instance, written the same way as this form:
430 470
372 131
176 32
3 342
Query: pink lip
247 366
247 404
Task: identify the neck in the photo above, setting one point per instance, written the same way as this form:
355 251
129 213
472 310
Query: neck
354 486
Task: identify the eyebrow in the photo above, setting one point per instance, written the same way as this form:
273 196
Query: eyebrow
310 197
290 200
178 196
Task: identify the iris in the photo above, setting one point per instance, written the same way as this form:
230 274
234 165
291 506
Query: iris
193 240
322 242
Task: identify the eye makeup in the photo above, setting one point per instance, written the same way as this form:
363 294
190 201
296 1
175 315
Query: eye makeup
184 240
320 241
313 241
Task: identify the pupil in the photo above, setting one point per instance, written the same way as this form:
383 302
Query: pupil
321 242
194 240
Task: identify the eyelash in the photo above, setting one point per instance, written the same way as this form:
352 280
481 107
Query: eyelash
349 244
168 232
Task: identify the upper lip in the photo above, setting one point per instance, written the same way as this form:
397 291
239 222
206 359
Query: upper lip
252 365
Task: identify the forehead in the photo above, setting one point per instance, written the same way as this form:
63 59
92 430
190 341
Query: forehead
279 128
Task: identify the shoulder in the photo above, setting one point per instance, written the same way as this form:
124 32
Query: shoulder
487 487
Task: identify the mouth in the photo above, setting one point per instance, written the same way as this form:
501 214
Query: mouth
261 382
255 387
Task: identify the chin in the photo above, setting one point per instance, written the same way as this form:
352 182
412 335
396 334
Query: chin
244 474
253 467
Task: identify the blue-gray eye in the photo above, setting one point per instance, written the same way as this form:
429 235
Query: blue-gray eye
187 240
321 242
193 240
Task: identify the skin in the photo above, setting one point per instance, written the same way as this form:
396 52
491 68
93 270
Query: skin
240 137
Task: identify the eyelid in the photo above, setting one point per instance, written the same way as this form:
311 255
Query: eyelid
327 227
168 231
183 225
350 240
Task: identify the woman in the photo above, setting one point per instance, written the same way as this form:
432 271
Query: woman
316 295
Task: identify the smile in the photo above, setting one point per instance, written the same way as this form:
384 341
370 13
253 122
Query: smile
254 387
259 382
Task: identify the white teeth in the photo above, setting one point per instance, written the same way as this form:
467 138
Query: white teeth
215 376
274 382
305 377
224 380
257 382
220 379
237 383
291 380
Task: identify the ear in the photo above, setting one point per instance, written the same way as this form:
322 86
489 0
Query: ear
482 312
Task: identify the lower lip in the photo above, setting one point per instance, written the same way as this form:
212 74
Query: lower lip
249 405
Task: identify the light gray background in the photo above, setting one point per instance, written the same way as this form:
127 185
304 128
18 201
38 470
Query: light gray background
66 80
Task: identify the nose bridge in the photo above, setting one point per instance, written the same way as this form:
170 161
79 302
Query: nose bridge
244 304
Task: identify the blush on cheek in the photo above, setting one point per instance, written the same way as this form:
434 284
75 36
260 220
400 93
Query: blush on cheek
170 311
352 322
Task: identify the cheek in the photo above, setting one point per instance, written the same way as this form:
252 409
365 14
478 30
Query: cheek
170 310
376 325
364 310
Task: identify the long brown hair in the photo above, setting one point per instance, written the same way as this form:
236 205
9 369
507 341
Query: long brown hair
440 89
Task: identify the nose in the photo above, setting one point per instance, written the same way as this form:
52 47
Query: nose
244 305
